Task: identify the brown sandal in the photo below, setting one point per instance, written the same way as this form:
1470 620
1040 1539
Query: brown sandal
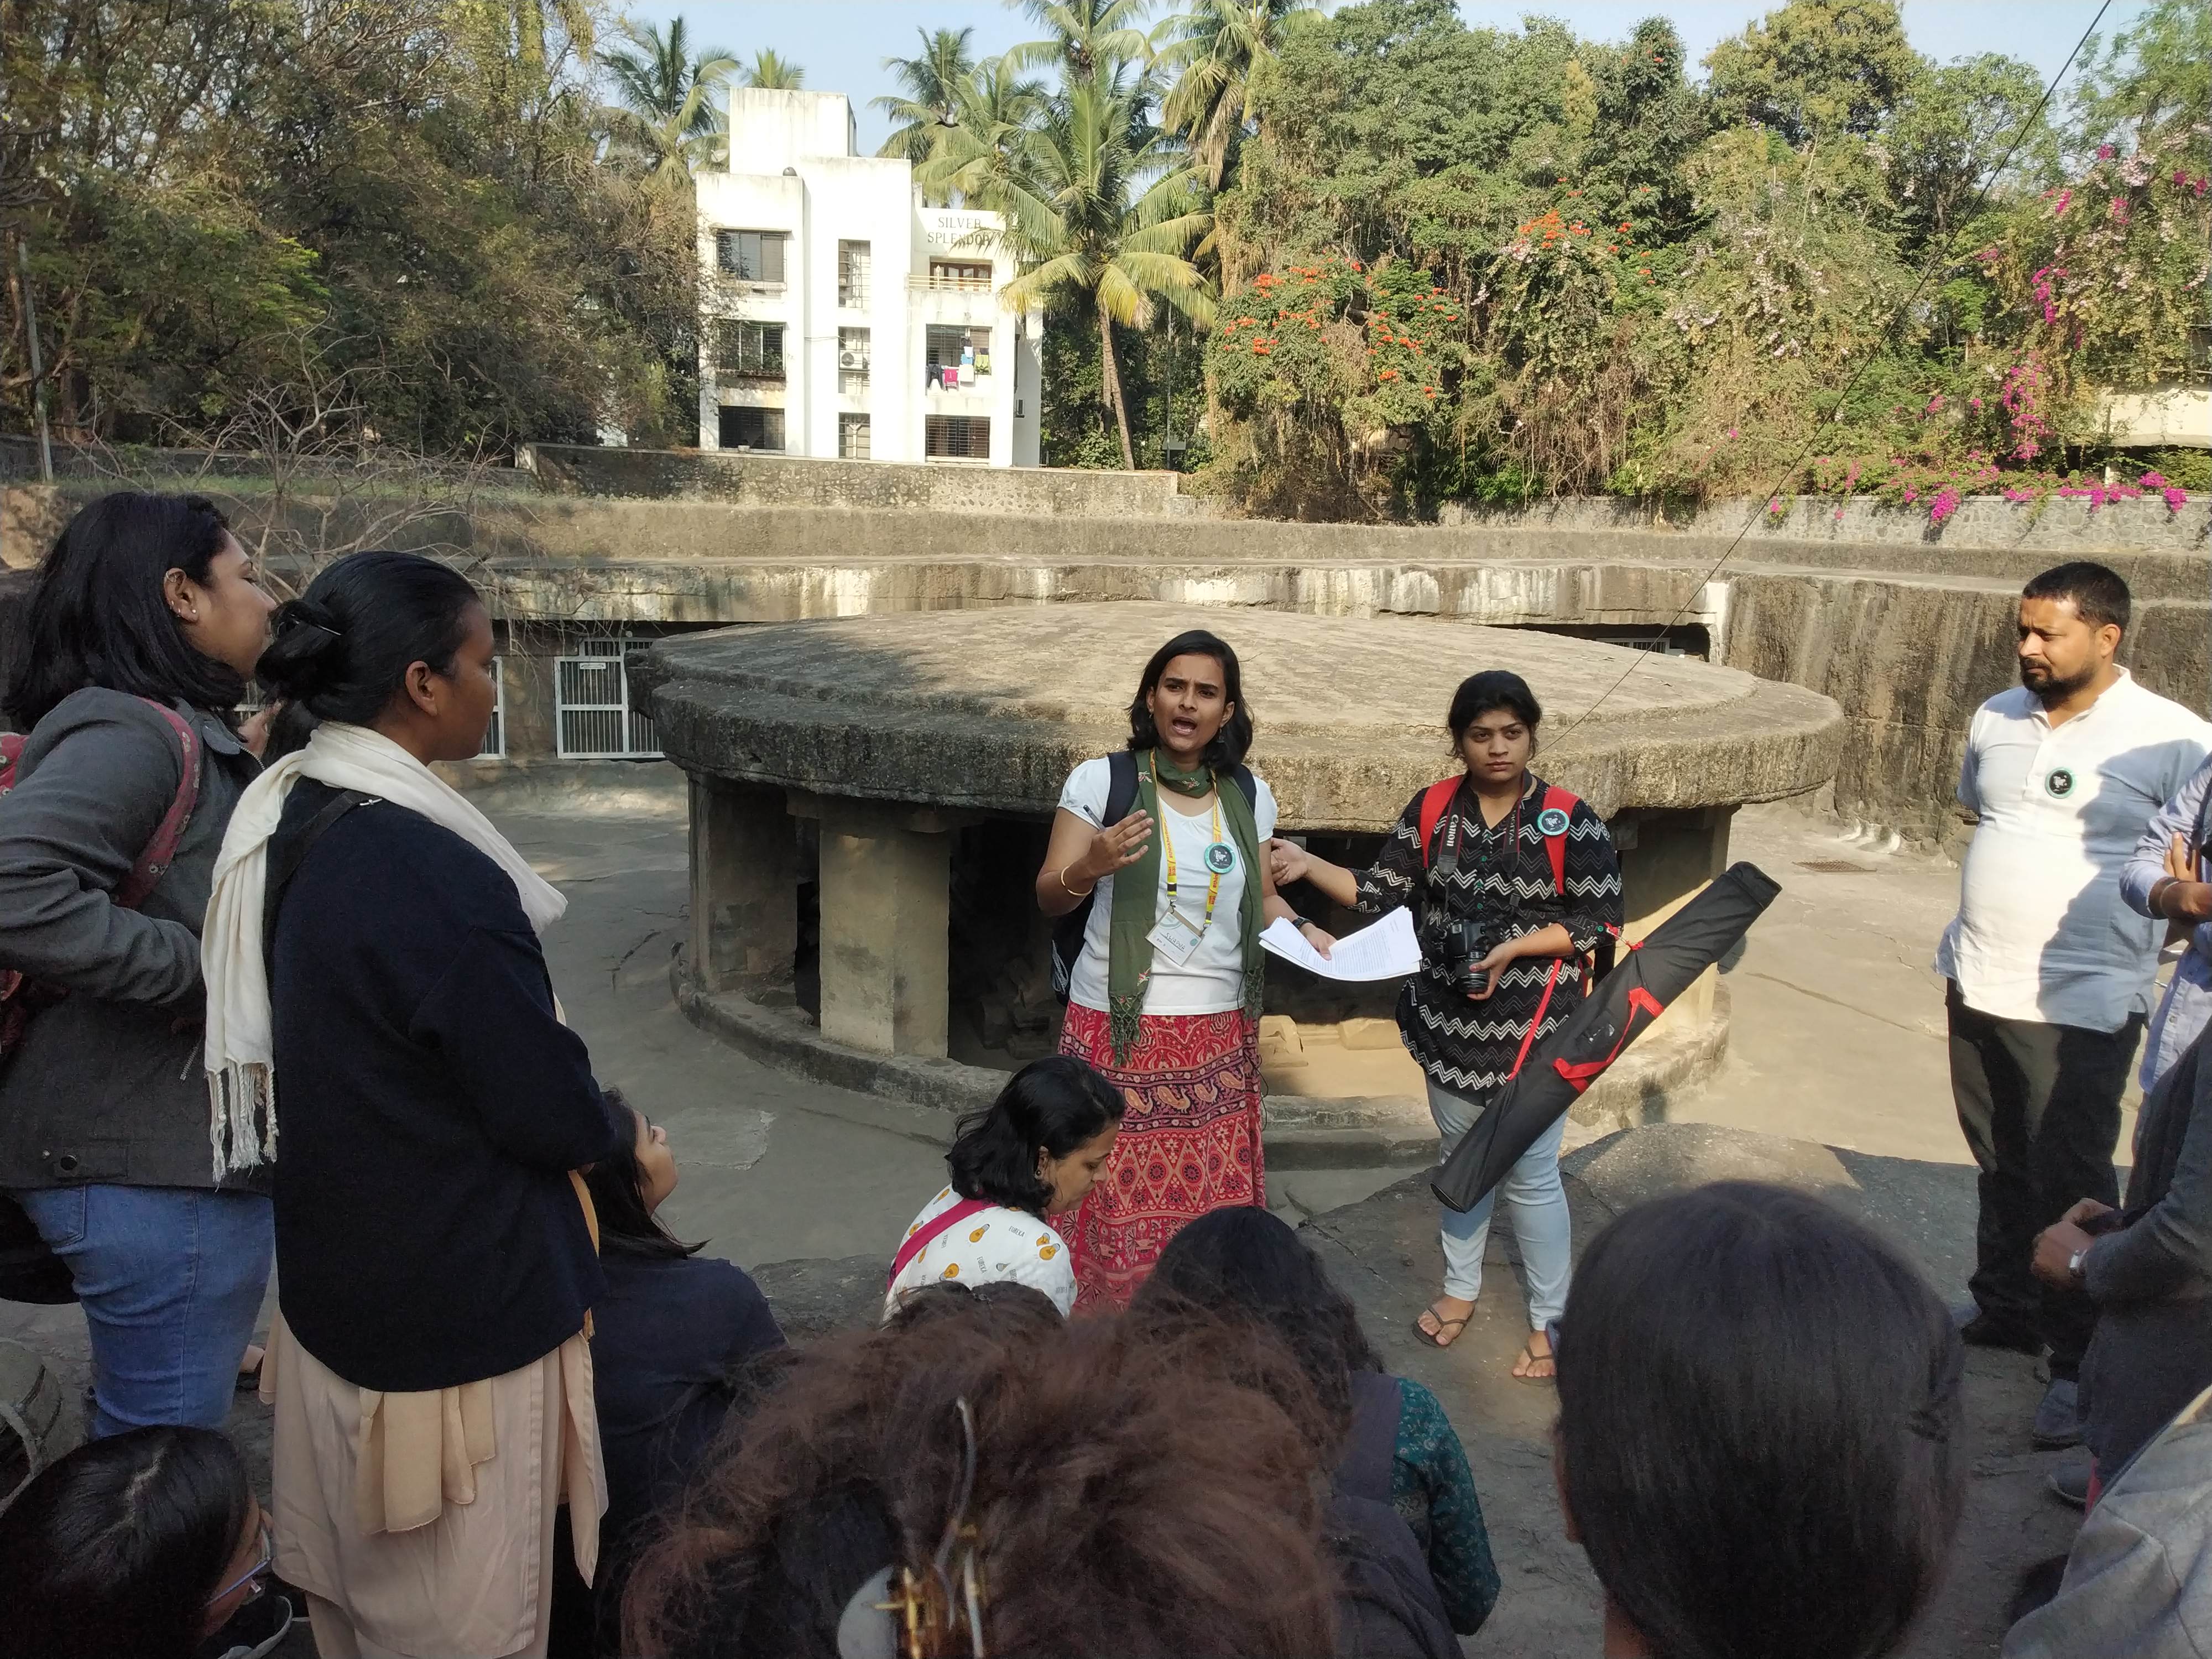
1447 1331
1549 1361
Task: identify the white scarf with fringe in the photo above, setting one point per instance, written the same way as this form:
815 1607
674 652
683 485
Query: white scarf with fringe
241 1063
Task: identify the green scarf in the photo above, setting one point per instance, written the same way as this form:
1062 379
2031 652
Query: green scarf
1137 897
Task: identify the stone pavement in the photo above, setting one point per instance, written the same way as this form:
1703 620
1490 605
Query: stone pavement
1835 1080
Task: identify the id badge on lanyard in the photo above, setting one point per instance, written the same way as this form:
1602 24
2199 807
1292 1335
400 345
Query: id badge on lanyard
1175 937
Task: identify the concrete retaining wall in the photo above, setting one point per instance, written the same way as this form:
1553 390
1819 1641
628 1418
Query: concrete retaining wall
757 480
2065 525
1907 633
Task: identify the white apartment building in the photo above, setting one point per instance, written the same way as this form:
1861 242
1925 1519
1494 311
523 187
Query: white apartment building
841 316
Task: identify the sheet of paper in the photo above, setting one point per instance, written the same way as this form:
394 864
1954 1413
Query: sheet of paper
1386 950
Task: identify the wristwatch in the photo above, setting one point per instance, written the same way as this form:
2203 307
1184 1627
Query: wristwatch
2074 1262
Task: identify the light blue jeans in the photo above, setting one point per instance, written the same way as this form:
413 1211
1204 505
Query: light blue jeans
1538 1204
171 1280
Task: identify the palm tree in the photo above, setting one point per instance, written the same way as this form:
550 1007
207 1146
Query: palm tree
1100 209
667 113
931 85
773 73
1084 35
1212 52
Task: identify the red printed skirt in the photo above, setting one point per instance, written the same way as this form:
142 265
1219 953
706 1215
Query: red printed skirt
1190 1143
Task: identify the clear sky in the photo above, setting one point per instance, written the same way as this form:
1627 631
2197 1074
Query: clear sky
841 44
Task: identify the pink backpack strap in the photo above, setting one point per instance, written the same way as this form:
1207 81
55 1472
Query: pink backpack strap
161 851
922 1236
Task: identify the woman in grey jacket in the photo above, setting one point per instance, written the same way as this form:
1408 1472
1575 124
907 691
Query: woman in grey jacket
146 621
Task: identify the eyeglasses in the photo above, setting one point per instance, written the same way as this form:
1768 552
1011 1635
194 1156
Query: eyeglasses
253 1574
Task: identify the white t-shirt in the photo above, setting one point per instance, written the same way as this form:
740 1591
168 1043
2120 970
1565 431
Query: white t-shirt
993 1245
1212 980
2042 932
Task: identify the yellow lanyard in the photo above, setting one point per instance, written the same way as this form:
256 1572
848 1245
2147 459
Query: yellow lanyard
1167 840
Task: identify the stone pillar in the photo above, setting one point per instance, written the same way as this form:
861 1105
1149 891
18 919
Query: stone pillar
744 884
886 879
1666 859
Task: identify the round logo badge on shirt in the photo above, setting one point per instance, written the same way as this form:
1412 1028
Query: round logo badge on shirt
2060 783
1220 858
1552 821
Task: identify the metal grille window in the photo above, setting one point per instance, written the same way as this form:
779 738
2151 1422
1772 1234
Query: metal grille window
853 437
853 351
751 256
954 357
592 705
855 260
495 738
741 428
749 351
957 438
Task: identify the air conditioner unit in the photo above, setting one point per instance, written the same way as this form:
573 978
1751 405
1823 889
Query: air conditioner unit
852 360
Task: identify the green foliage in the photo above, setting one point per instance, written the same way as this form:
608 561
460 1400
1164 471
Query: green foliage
1099 207
1815 69
1660 290
930 87
412 196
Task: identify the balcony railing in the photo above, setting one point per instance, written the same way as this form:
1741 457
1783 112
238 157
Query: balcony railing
937 284
946 381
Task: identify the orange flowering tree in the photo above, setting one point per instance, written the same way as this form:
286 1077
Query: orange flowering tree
1346 369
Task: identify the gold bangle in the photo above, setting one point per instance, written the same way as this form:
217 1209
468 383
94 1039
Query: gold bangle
1062 873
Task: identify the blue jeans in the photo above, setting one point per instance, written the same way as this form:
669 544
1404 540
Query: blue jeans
1538 1207
171 1280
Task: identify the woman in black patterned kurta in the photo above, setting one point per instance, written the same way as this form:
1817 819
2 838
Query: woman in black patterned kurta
1505 956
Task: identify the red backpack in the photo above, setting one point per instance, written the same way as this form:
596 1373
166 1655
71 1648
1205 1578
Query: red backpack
1553 819
20 998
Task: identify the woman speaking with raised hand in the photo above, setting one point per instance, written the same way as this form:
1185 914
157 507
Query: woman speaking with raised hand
1166 842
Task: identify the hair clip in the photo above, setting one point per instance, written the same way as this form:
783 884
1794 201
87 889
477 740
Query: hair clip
936 1613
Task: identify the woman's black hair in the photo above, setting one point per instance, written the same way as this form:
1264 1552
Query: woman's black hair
1492 688
1051 1105
118 1546
99 617
1244 1262
1234 740
1759 1435
628 1225
341 650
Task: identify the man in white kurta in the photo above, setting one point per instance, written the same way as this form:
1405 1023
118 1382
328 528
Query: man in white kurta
2050 971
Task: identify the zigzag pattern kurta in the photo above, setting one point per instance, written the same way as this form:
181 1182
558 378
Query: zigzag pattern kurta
1503 873
1189 1142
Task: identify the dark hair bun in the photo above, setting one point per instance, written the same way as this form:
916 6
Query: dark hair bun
303 655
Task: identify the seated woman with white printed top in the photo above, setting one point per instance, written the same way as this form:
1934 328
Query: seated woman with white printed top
1033 1152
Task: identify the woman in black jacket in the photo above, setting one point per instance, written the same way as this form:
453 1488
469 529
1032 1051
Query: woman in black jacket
430 1367
146 619
669 1341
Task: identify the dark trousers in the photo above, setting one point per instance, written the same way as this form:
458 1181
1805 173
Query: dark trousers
2040 1107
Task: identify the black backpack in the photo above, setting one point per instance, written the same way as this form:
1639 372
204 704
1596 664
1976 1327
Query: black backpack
1121 796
